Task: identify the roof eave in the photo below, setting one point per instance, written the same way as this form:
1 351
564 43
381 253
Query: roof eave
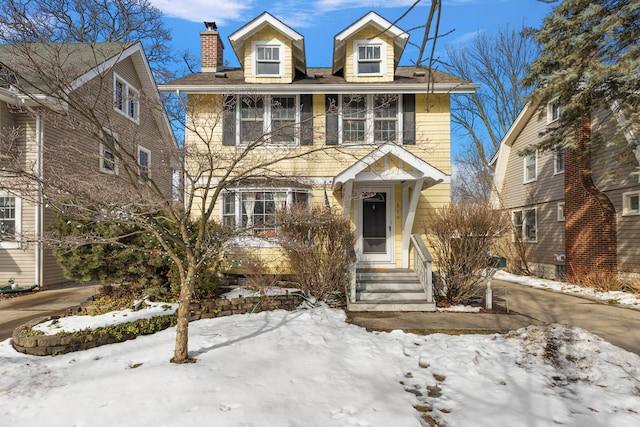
365 88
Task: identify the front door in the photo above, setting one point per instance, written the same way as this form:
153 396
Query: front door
374 231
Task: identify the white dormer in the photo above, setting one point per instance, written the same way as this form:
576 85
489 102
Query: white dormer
269 51
369 50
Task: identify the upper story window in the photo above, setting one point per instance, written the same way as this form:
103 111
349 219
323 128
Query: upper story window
370 57
268 59
144 162
631 203
558 160
531 167
368 119
10 219
553 111
126 98
268 120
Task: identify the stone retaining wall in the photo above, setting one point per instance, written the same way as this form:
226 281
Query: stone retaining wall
46 345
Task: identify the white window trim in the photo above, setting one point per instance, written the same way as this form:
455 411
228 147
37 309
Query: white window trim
129 93
103 149
626 211
148 152
535 178
561 215
266 122
550 106
254 56
18 218
369 122
383 57
522 231
251 240
556 153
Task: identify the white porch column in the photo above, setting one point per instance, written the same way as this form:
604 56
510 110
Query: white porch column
347 196
410 216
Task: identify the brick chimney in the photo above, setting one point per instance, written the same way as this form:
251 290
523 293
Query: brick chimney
211 49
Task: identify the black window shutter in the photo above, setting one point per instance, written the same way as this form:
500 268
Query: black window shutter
229 121
409 119
306 117
331 111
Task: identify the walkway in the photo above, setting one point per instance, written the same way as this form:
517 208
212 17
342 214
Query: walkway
527 306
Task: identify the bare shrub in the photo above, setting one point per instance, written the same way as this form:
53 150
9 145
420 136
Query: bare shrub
461 237
604 281
317 243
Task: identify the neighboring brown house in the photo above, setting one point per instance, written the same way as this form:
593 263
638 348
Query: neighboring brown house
574 213
110 81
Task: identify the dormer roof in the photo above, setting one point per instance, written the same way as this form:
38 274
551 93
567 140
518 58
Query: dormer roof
400 38
239 38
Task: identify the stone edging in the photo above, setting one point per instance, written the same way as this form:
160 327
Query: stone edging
49 345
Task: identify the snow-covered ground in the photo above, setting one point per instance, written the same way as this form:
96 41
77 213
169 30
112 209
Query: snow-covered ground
310 368
623 298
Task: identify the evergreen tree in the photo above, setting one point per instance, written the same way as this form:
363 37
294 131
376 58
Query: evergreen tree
589 59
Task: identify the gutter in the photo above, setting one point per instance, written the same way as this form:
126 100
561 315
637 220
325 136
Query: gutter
318 88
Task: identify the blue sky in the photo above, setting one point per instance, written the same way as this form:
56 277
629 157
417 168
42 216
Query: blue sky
320 20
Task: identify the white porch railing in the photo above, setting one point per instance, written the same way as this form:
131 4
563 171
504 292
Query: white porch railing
422 264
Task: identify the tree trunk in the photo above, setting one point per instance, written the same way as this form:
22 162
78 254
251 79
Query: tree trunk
181 351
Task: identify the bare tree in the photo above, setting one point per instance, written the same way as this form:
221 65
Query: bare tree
497 63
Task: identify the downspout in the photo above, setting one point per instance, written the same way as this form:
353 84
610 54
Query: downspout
39 209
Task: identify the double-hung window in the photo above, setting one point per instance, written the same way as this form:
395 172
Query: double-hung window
385 119
126 99
369 57
553 111
631 203
10 218
354 119
268 120
108 150
369 119
268 59
255 210
252 120
525 224
144 162
530 167
558 160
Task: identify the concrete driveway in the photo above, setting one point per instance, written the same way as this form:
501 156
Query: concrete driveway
21 309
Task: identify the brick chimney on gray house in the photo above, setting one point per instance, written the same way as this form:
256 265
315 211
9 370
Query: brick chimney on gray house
211 49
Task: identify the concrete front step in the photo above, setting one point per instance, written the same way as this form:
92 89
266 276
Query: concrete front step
391 295
392 306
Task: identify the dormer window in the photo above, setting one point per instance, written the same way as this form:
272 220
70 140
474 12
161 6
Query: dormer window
369 57
268 59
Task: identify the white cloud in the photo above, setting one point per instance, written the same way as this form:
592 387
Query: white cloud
204 10
331 5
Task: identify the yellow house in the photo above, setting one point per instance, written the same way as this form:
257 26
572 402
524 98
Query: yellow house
366 136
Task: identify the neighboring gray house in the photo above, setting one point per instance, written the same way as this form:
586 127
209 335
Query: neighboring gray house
573 214
117 78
